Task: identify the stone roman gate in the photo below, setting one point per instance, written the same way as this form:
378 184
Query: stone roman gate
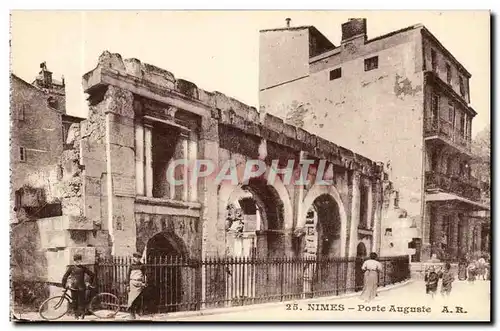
142 118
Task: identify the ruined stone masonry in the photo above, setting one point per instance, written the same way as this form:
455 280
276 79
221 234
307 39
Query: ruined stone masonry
141 117
115 199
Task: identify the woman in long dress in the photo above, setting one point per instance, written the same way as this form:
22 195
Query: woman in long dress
136 284
371 268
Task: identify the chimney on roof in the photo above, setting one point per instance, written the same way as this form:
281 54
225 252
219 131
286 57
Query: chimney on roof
288 22
353 29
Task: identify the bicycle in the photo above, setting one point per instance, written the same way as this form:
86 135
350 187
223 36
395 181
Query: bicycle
102 305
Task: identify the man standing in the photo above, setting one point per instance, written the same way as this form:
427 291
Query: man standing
135 284
74 278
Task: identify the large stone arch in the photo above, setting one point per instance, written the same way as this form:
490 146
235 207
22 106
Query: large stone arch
315 192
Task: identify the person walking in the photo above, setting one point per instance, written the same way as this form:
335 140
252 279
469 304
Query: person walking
74 279
371 268
136 282
431 281
447 279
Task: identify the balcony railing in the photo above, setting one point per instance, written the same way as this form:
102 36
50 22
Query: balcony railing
445 130
466 188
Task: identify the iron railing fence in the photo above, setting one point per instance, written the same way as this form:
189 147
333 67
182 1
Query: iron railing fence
179 284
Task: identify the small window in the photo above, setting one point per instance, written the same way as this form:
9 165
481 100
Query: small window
435 106
388 232
52 102
19 199
462 124
462 86
20 113
448 73
22 154
451 113
336 73
465 126
371 63
433 60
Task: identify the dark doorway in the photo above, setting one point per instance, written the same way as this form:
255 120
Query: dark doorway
164 292
359 274
328 226
416 243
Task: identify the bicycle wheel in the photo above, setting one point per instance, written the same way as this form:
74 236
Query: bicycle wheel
54 308
104 305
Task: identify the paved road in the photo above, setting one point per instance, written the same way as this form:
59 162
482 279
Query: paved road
473 299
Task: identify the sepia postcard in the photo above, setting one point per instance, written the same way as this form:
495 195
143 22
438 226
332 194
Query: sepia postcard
250 166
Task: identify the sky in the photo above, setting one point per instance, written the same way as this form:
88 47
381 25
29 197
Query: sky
219 51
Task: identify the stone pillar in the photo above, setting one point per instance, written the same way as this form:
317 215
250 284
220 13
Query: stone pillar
148 152
179 192
192 157
478 236
185 156
377 217
139 157
299 193
470 235
213 224
426 232
355 214
462 239
287 242
120 168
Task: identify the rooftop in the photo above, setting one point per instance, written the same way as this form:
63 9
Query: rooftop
424 30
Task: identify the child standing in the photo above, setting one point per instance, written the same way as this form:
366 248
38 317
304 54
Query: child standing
448 279
471 272
431 281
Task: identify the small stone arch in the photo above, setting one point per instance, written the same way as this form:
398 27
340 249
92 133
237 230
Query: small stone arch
169 238
167 281
361 250
315 192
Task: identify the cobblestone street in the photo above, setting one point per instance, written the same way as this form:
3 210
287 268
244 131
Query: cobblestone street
473 300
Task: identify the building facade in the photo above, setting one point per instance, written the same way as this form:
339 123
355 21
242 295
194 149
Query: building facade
41 140
401 98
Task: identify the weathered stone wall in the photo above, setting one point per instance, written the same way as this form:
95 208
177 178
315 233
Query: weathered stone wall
37 128
28 260
283 56
184 227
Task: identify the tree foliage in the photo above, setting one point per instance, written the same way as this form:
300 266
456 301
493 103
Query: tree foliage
481 147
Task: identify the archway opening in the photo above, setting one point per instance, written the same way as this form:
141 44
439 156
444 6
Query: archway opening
255 221
323 225
361 251
164 274
323 242
361 254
